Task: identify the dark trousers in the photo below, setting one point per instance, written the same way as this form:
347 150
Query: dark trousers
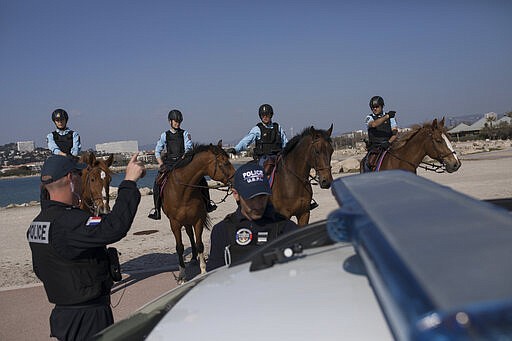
79 322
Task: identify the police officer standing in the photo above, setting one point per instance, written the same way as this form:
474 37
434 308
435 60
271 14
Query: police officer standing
268 136
68 247
63 141
254 223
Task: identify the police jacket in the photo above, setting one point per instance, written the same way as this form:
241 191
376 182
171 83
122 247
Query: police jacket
69 246
236 237
65 142
379 134
269 142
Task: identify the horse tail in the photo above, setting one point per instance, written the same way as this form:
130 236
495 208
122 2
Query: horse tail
207 223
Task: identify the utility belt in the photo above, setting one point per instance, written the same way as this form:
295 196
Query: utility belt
95 302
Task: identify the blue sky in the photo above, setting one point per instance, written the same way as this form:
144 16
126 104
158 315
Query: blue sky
118 67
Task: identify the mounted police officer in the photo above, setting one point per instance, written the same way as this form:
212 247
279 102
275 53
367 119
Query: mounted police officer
269 137
63 141
254 223
69 253
382 127
177 142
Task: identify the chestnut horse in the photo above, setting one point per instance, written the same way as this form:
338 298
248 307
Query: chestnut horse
291 188
183 201
408 151
96 184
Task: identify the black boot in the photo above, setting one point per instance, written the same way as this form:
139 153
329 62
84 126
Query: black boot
156 212
313 205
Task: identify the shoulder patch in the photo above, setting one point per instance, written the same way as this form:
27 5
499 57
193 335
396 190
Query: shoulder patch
93 221
39 232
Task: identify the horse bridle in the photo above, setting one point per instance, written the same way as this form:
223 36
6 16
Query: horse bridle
93 207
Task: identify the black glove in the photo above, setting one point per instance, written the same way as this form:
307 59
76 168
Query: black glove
391 114
386 145
231 151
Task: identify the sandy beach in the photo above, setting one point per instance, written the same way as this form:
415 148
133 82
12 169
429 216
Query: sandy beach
150 244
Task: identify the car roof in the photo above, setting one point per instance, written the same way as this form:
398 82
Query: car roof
315 296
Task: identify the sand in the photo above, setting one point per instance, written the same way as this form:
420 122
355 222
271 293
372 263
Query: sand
150 244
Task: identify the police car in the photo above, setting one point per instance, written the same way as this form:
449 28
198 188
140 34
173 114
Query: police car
402 258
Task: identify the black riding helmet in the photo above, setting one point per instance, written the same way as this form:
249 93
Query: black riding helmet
266 109
376 101
175 115
59 114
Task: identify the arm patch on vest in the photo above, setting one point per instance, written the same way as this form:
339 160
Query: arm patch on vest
39 232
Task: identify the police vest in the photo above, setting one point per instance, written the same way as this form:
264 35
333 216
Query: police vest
244 237
175 145
270 141
64 142
380 134
66 281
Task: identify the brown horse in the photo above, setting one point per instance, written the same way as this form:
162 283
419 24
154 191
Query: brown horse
96 184
408 151
183 200
291 188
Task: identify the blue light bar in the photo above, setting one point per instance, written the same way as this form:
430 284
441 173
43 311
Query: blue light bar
439 261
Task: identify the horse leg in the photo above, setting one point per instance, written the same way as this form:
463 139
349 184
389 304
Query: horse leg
180 249
303 219
190 234
198 228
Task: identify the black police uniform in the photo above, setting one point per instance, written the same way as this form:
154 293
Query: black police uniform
242 236
69 256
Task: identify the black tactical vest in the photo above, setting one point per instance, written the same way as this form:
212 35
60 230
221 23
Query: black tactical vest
67 281
245 238
270 141
175 145
64 142
379 134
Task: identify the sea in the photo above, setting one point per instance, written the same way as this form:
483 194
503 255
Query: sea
24 190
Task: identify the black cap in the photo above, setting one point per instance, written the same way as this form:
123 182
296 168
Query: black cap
250 181
57 166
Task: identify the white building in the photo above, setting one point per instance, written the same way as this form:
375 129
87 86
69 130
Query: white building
118 147
25 146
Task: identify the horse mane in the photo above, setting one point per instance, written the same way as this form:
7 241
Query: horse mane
196 149
309 131
405 137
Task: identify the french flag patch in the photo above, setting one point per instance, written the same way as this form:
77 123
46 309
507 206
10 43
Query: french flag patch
92 221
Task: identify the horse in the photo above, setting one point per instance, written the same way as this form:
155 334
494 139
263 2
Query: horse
291 188
183 202
96 179
408 151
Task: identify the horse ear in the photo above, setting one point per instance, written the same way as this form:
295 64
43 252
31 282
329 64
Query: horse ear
434 123
441 123
88 158
219 144
329 131
110 160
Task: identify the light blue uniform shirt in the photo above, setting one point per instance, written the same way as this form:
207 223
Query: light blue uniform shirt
52 146
160 144
370 119
255 134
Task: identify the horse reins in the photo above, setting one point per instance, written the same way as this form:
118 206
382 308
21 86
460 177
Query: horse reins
93 207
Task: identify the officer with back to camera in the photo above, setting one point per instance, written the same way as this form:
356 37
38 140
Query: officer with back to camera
254 223
63 141
68 247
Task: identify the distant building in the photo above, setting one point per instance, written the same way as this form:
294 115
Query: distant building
25 146
118 147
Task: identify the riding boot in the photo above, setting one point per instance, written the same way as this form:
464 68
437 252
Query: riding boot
313 205
210 206
156 212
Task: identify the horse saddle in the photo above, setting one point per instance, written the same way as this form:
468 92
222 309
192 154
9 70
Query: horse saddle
372 158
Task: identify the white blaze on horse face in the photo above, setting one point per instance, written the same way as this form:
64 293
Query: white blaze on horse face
103 175
449 145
